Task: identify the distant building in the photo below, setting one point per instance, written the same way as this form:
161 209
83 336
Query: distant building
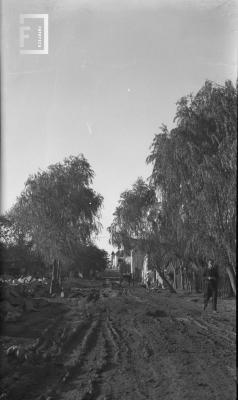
114 260
137 261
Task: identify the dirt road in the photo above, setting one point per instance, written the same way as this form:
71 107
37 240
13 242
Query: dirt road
132 345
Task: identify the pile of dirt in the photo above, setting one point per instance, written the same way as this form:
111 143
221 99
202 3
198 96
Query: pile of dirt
38 288
90 294
18 298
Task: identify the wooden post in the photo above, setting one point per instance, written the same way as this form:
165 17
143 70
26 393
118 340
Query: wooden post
52 279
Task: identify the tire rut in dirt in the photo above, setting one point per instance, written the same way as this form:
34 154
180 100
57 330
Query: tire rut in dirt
89 381
79 360
131 364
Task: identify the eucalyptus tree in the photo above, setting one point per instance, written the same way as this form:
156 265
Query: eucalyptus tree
59 210
132 223
194 167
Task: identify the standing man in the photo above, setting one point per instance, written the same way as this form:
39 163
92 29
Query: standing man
211 278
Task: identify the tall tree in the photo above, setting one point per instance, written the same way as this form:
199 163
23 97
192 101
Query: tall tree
58 209
194 166
133 222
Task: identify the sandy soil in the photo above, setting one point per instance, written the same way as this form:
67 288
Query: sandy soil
122 344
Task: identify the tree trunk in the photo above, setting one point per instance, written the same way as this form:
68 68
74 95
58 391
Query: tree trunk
230 255
232 277
52 279
196 282
175 281
181 275
59 273
185 278
165 280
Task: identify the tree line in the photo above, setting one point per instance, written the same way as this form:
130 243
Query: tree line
185 213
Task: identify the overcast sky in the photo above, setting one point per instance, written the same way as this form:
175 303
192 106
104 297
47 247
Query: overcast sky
114 72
